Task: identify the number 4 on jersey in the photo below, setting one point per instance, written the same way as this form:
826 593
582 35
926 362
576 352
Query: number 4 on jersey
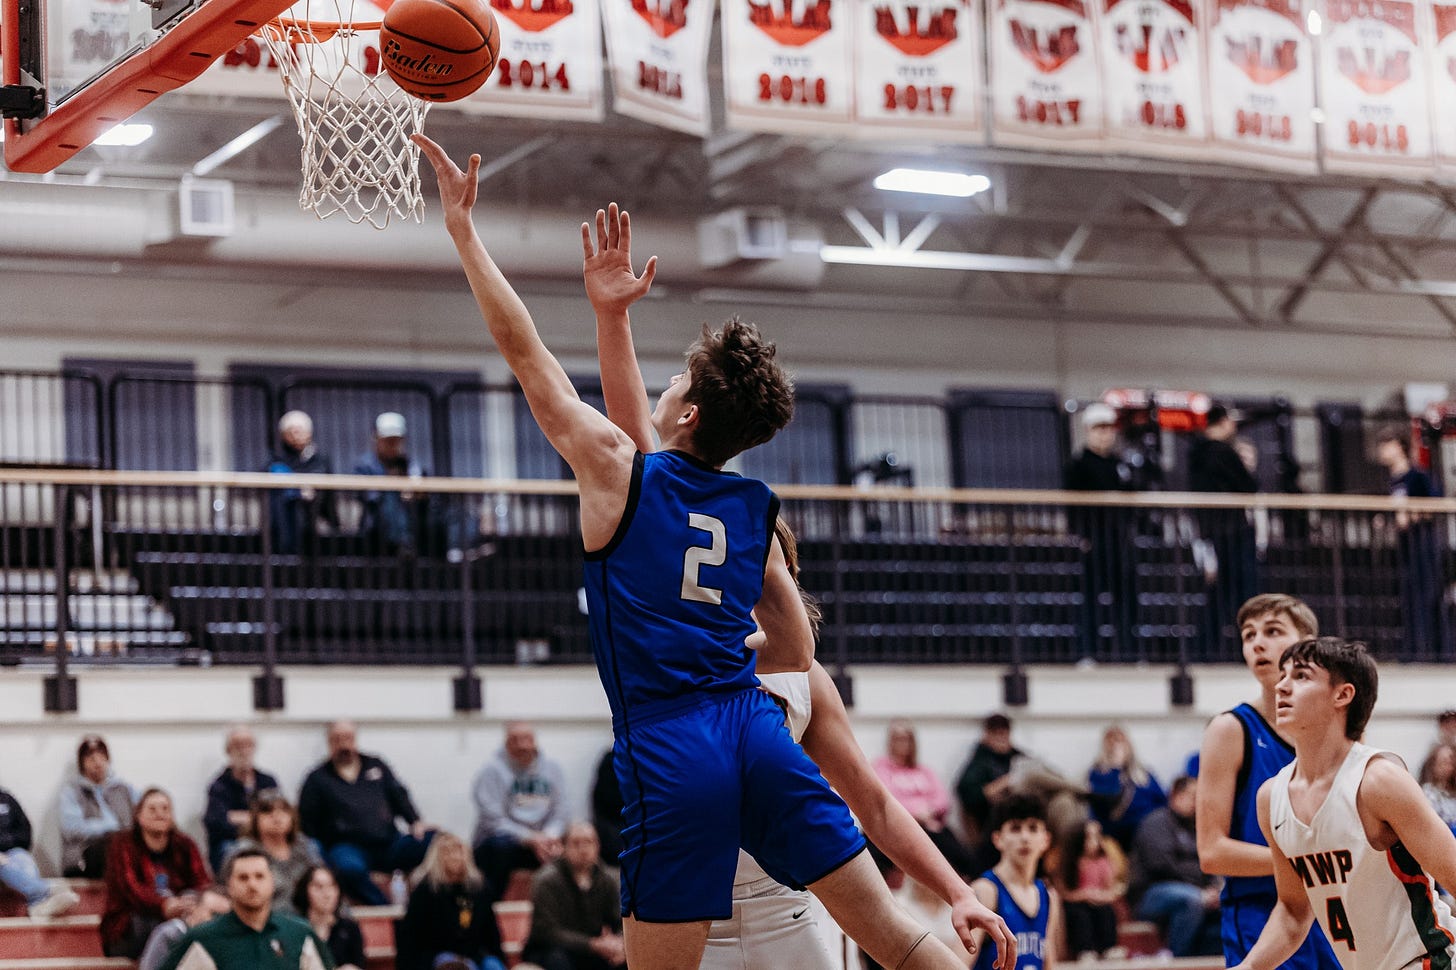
1339 922
698 556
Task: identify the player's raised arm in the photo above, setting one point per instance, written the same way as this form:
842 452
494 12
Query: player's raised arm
829 740
788 641
587 440
612 287
1292 917
1388 794
1219 758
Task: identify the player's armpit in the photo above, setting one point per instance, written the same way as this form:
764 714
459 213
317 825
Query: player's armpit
1390 796
1220 758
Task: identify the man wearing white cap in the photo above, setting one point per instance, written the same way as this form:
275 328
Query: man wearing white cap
1107 590
392 521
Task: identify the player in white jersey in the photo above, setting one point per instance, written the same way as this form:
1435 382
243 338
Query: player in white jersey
1355 842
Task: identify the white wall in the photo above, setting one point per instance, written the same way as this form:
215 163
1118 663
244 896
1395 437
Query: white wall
165 726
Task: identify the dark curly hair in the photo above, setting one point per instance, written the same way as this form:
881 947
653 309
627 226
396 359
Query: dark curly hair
744 397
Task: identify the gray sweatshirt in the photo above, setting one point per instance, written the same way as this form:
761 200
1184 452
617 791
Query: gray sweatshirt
91 812
519 801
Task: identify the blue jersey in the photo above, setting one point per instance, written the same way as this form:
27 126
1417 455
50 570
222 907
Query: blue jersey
1265 755
1030 931
669 597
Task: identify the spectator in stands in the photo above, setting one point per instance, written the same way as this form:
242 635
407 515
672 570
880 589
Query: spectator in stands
1091 876
1214 465
231 792
1167 885
392 521
607 809
520 804
984 778
920 791
252 935
17 866
154 873
273 826
1446 727
94 804
294 513
1419 557
352 804
449 923
317 898
576 909
1438 781
1104 532
1124 790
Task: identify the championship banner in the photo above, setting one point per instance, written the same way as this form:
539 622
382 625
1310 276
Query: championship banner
1152 76
1373 84
658 50
1261 73
1443 83
1046 89
919 69
550 63
787 64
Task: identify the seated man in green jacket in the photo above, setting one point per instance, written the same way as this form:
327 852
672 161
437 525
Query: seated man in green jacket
577 913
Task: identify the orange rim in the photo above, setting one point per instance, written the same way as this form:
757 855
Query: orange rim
317 31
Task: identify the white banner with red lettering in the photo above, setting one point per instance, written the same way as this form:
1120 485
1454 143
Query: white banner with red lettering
1261 70
550 63
787 64
1373 86
918 72
1046 88
658 52
1443 83
1154 86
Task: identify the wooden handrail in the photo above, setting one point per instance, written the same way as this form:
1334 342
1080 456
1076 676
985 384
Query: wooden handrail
830 493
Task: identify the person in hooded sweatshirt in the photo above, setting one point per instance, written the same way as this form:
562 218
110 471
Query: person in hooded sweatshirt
94 804
520 801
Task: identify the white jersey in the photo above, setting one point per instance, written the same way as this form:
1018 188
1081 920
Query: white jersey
1379 910
792 689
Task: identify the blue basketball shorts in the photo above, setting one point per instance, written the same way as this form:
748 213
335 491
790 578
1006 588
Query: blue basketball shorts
699 784
1243 921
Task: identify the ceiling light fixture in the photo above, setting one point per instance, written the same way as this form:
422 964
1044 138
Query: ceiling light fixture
126 135
931 182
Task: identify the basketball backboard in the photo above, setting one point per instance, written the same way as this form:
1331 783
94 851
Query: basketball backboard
73 69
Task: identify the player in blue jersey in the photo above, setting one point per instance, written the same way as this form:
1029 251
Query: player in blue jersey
1241 750
680 571
1012 888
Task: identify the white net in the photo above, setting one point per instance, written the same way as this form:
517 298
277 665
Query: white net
355 121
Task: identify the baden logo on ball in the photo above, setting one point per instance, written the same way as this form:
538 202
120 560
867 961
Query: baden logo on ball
439 50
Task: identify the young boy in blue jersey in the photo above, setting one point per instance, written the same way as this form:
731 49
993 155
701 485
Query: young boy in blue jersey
681 568
1032 912
1241 750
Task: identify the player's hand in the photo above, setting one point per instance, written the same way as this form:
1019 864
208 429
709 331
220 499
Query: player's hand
968 913
457 188
607 263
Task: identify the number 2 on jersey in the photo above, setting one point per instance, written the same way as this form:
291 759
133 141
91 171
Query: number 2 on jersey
698 556
1339 922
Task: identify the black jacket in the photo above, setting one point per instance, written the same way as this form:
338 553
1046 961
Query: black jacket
363 812
227 794
448 919
14 826
1214 466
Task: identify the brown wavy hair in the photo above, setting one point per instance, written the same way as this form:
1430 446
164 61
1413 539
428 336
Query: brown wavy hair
744 397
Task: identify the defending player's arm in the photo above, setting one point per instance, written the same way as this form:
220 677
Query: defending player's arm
596 450
829 740
612 287
1220 758
1292 916
788 641
1054 942
1389 795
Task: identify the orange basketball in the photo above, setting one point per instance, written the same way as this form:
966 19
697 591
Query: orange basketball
439 50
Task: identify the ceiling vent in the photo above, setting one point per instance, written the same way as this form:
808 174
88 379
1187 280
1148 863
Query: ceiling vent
740 235
205 207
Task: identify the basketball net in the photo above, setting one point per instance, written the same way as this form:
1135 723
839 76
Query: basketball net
355 121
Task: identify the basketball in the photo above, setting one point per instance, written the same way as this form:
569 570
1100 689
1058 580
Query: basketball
439 50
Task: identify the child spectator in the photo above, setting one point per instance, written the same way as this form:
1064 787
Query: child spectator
1091 878
273 824
1127 790
1438 781
94 805
449 923
318 899
154 873
1019 831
